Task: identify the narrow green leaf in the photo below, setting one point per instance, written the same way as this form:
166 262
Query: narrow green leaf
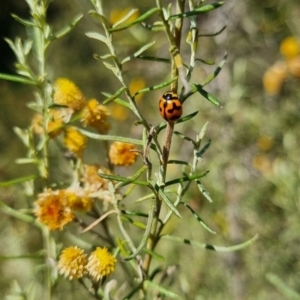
97 36
146 233
200 153
197 217
65 30
164 197
197 11
178 162
137 53
16 79
124 19
133 213
98 16
149 196
184 137
112 68
106 56
117 100
188 117
155 255
186 178
114 96
124 180
133 178
202 132
212 34
283 288
155 27
154 58
104 137
17 214
26 160
203 191
207 62
205 94
156 87
134 223
163 125
212 247
216 72
160 289
23 21
18 180
138 20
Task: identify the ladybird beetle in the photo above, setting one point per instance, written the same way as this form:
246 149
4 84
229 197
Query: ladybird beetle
170 107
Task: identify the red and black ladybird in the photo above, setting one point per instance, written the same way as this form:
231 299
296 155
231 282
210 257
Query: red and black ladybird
170 107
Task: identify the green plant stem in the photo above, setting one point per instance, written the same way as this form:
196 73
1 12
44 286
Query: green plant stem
174 46
154 236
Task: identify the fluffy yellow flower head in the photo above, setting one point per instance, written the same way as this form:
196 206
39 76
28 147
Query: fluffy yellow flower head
95 115
274 78
66 93
100 263
290 47
75 141
53 210
54 126
72 263
122 154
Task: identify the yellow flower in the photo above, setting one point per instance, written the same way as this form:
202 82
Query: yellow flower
265 143
122 154
119 112
293 66
72 263
52 209
78 200
95 115
135 85
54 126
262 163
116 15
66 93
290 47
274 78
100 263
75 141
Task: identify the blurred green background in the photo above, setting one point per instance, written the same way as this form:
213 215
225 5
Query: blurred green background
253 158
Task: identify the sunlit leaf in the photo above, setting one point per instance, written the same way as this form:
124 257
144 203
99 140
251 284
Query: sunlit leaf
137 53
138 20
114 96
16 79
104 137
97 36
18 180
197 11
23 21
203 191
124 19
